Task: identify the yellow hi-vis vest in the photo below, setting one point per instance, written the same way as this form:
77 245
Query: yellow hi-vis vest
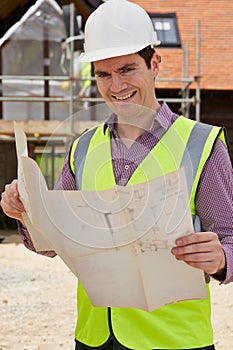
181 325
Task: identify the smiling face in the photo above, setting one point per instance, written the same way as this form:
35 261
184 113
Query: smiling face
126 83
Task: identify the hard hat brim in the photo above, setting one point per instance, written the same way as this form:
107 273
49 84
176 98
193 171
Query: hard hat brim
112 52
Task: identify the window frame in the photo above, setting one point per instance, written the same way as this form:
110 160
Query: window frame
172 16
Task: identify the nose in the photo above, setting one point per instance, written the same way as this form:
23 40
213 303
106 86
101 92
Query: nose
118 83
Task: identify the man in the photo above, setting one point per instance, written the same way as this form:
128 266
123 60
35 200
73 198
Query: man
119 40
82 71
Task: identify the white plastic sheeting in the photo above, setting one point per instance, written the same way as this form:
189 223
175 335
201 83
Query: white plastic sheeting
31 26
23 54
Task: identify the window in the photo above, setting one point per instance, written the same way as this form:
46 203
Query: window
166 28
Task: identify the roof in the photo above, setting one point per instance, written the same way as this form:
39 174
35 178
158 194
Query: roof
216 33
31 26
85 7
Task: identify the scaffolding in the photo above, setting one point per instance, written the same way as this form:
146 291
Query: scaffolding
61 141
70 99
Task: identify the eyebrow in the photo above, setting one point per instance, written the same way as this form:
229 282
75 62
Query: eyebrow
127 65
121 69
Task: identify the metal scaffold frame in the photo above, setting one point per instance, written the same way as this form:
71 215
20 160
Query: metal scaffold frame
185 100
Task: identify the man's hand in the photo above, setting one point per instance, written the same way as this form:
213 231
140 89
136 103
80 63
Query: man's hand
10 203
203 251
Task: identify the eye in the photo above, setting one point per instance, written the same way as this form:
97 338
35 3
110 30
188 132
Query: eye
102 74
127 70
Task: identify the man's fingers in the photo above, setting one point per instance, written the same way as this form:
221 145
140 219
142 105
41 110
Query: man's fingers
201 250
194 238
10 201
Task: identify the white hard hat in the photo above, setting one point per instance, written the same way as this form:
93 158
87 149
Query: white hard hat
117 28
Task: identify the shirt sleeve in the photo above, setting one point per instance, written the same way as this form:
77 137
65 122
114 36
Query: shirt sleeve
66 181
27 241
214 201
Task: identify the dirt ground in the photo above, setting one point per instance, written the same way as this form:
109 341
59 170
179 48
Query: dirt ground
38 302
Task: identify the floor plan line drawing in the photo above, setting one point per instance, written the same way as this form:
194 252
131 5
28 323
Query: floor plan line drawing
119 236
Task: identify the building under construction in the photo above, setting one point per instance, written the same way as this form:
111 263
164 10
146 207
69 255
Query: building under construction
39 46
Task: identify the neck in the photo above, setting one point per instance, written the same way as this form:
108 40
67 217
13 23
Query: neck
131 127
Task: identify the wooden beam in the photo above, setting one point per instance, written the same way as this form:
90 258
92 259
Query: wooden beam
46 128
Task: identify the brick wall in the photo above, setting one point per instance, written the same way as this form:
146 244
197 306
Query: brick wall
216 39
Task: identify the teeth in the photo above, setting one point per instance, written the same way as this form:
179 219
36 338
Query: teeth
121 98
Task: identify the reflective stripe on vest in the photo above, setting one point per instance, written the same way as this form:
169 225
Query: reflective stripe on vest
177 326
80 155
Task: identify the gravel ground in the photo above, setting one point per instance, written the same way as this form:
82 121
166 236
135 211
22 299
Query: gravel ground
38 302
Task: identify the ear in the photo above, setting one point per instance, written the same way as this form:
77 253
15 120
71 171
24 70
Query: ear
155 61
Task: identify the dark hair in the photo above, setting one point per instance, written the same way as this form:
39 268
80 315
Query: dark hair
147 53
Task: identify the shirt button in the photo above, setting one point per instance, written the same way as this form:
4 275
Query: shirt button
126 167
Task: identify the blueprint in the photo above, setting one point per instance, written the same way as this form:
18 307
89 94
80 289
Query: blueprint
117 241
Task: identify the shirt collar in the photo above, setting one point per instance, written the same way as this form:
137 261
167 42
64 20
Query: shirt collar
110 122
163 119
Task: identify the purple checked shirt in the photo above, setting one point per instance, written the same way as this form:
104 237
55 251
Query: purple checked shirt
214 195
